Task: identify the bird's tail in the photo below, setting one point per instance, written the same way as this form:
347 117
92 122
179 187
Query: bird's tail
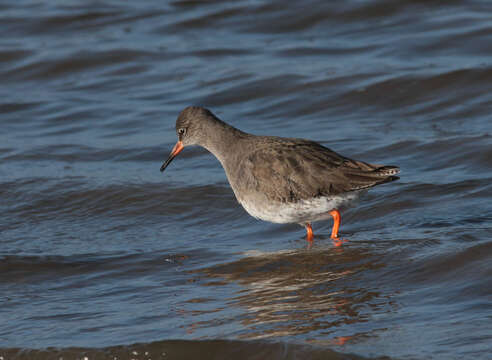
387 171
363 175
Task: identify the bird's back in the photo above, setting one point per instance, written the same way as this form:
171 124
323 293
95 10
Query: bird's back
289 170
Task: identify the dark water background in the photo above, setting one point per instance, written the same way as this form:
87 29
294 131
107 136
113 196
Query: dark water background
99 250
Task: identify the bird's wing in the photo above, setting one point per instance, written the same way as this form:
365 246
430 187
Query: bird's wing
287 170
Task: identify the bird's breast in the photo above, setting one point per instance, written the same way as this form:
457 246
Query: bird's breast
301 211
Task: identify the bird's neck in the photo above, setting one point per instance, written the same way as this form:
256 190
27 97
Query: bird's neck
221 139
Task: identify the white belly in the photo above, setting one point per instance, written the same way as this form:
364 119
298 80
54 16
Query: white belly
301 212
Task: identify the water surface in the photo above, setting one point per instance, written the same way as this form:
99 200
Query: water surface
100 251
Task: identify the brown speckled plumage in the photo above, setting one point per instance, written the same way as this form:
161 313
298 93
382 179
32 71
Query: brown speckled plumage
300 169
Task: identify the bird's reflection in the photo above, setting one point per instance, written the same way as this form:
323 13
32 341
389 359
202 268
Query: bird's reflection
316 291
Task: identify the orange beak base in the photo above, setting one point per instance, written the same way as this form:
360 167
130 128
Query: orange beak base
176 150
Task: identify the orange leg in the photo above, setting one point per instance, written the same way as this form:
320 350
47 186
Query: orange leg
336 223
309 230
336 226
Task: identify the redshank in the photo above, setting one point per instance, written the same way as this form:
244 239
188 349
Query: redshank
281 180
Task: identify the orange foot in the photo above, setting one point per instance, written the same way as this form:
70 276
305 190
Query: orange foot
338 241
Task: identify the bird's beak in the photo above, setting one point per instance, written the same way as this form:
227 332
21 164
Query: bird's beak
176 150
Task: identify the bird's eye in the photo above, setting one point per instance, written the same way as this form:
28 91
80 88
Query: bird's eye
181 131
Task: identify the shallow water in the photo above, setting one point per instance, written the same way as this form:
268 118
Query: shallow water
100 251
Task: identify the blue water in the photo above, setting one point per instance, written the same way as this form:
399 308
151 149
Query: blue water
100 249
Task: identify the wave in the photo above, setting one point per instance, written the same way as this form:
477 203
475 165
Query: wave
187 349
